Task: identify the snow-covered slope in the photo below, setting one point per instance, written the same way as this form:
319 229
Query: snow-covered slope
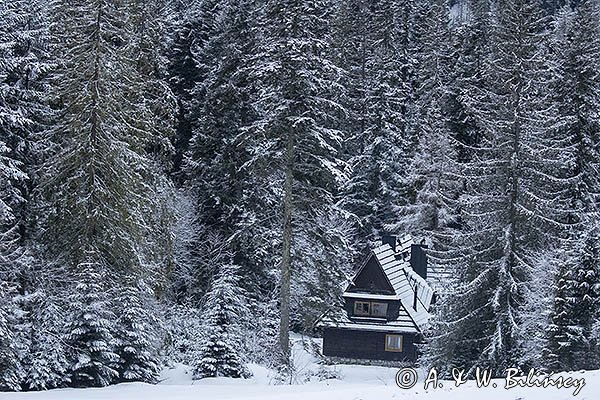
353 382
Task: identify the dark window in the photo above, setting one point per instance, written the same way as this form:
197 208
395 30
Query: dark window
366 308
362 308
379 309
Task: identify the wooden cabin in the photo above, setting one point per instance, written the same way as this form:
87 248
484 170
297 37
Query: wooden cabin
386 306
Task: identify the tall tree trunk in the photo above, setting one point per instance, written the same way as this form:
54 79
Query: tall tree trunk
284 299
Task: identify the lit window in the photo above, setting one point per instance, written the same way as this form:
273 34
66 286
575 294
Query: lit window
393 343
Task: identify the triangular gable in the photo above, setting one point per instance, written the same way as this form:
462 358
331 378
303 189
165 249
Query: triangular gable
385 274
371 278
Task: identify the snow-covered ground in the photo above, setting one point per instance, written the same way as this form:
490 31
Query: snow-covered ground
353 382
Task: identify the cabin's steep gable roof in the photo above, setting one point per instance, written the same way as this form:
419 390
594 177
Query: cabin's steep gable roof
395 280
413 291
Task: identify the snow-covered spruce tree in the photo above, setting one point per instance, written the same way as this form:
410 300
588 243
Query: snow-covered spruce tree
577 283
351 43
23 69
156 118
96 182
11 371
428 179
24 66
297 145
349 46
323 254
90 329
469 68
45 364
193 26
206 16
98 186
508 201
11 175
570 343
215 166
137 324
225 306
470 35
149 20
382 137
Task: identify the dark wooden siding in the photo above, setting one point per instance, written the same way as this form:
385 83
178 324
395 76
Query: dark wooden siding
368 345
372 279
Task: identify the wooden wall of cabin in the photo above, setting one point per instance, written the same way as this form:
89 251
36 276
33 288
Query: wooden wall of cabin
368 345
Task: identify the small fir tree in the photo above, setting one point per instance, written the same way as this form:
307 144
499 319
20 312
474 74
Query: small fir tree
90 332
46 364
225 306
10 365
137 344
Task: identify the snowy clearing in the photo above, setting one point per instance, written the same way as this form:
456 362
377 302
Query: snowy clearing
355 382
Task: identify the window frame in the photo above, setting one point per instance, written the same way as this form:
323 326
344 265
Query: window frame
362 313
359 303
385 305
394 350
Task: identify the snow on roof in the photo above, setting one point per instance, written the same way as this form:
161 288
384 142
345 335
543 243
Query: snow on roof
372 296
405 281
403 324
404 244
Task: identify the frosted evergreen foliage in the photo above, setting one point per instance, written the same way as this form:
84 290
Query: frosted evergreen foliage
10 364
138 335
46 364
90 332
225 306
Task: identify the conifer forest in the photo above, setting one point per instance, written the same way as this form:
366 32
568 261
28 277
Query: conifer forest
193 181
